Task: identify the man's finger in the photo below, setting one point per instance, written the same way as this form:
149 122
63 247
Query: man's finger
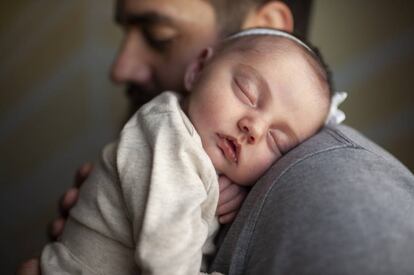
56 228
82 173
69 198
29 267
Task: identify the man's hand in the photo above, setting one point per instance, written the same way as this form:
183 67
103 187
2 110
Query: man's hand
68 200
29 267
230 200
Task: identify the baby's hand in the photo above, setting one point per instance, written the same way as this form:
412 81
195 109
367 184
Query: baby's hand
230 199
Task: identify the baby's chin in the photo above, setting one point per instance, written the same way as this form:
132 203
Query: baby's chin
248 179
238 179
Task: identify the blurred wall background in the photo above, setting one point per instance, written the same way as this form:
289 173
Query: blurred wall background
58 108
369 46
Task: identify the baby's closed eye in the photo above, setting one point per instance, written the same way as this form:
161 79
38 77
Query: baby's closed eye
279 141
245 91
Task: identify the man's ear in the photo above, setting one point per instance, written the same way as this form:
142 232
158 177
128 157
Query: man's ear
273 14
195 67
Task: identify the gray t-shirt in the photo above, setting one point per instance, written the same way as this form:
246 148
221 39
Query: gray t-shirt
336 204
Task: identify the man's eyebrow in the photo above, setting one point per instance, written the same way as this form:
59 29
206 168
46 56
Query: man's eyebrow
141 18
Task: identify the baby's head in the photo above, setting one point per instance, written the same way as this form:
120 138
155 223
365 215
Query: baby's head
252 99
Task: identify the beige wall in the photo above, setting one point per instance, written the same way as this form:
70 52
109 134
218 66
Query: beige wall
57 107
370 48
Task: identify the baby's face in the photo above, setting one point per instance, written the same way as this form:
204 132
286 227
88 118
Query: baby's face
251 108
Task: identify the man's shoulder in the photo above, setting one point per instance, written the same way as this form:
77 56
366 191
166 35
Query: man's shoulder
336 147
333 198
338 137
340 163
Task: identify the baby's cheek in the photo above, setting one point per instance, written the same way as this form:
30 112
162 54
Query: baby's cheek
267 161
260 164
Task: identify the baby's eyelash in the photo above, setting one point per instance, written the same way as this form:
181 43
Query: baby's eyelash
274 143
246 93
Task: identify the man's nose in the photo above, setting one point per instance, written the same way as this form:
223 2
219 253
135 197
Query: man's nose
253 128
133 62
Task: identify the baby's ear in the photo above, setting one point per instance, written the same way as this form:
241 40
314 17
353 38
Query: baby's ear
195 67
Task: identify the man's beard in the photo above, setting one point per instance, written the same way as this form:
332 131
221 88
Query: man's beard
138 96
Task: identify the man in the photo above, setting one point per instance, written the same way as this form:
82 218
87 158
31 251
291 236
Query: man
337 204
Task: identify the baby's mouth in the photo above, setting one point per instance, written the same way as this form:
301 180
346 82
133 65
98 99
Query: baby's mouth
230 147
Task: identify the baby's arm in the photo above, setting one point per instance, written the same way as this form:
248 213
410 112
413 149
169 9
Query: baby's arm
231 198
179 218
68 201
97 236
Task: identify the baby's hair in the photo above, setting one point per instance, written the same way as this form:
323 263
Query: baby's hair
309 52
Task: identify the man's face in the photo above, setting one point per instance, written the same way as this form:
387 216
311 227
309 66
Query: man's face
251 108
160 38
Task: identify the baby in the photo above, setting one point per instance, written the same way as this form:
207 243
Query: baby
149 206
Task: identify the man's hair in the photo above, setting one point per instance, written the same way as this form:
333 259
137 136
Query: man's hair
231 14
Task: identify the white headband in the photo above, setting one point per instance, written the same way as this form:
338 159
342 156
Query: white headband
335 116
272 32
